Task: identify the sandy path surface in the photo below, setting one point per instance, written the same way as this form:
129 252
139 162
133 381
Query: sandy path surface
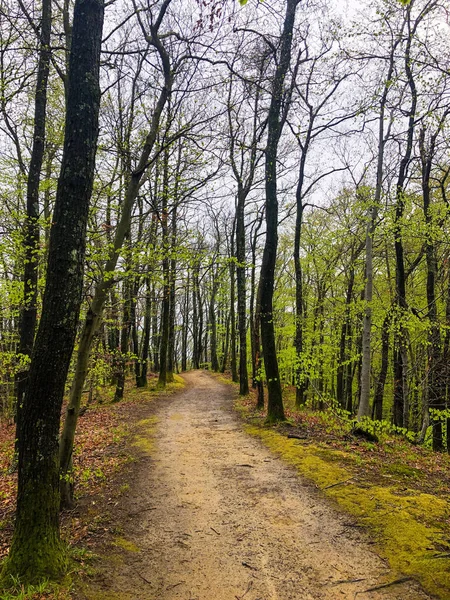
213 515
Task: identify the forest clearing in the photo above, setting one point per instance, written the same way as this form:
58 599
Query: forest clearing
197 191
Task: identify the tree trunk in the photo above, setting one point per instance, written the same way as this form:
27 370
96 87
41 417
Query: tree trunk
400 340
184 332
241 291
213 324
377 411
141 379
165 317
124 342
233 361
36 550
275 411
31 235
123 226
435 378
364 402
172 296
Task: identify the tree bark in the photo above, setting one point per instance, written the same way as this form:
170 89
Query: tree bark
31 236
275 409
241 291
102 290
36 550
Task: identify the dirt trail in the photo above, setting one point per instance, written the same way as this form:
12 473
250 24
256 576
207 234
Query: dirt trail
213 515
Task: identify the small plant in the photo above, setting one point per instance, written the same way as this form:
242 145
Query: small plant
42 591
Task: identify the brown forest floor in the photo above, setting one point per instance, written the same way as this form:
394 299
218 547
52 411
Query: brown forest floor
178 501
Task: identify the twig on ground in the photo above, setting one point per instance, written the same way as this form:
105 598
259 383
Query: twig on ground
338 483
143 578
171 587
249 587
343 581
244 564
386 585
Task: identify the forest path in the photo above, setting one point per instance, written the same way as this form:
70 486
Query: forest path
213 515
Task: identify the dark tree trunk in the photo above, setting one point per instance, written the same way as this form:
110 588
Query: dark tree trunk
141 379
36 550
184 332
172 296
165 317
435 378
31 225
255 325
213 323
241 291
155 330
400 339
345 343
258 357
275 411
233 361
226 347
197 320
124 342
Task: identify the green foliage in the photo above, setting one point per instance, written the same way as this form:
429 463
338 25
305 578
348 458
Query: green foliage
45 589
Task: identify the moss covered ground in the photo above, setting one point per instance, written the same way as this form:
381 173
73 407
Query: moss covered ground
398 491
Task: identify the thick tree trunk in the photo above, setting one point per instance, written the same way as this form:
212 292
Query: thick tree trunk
275 410
36 550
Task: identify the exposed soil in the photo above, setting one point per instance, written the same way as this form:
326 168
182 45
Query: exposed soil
211 514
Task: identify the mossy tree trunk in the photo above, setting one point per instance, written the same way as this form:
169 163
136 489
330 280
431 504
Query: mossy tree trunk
36 550
103 289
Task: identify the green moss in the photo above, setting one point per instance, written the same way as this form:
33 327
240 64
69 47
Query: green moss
224 379
121 542
147 422
409 527
178 382
402 470
145 441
